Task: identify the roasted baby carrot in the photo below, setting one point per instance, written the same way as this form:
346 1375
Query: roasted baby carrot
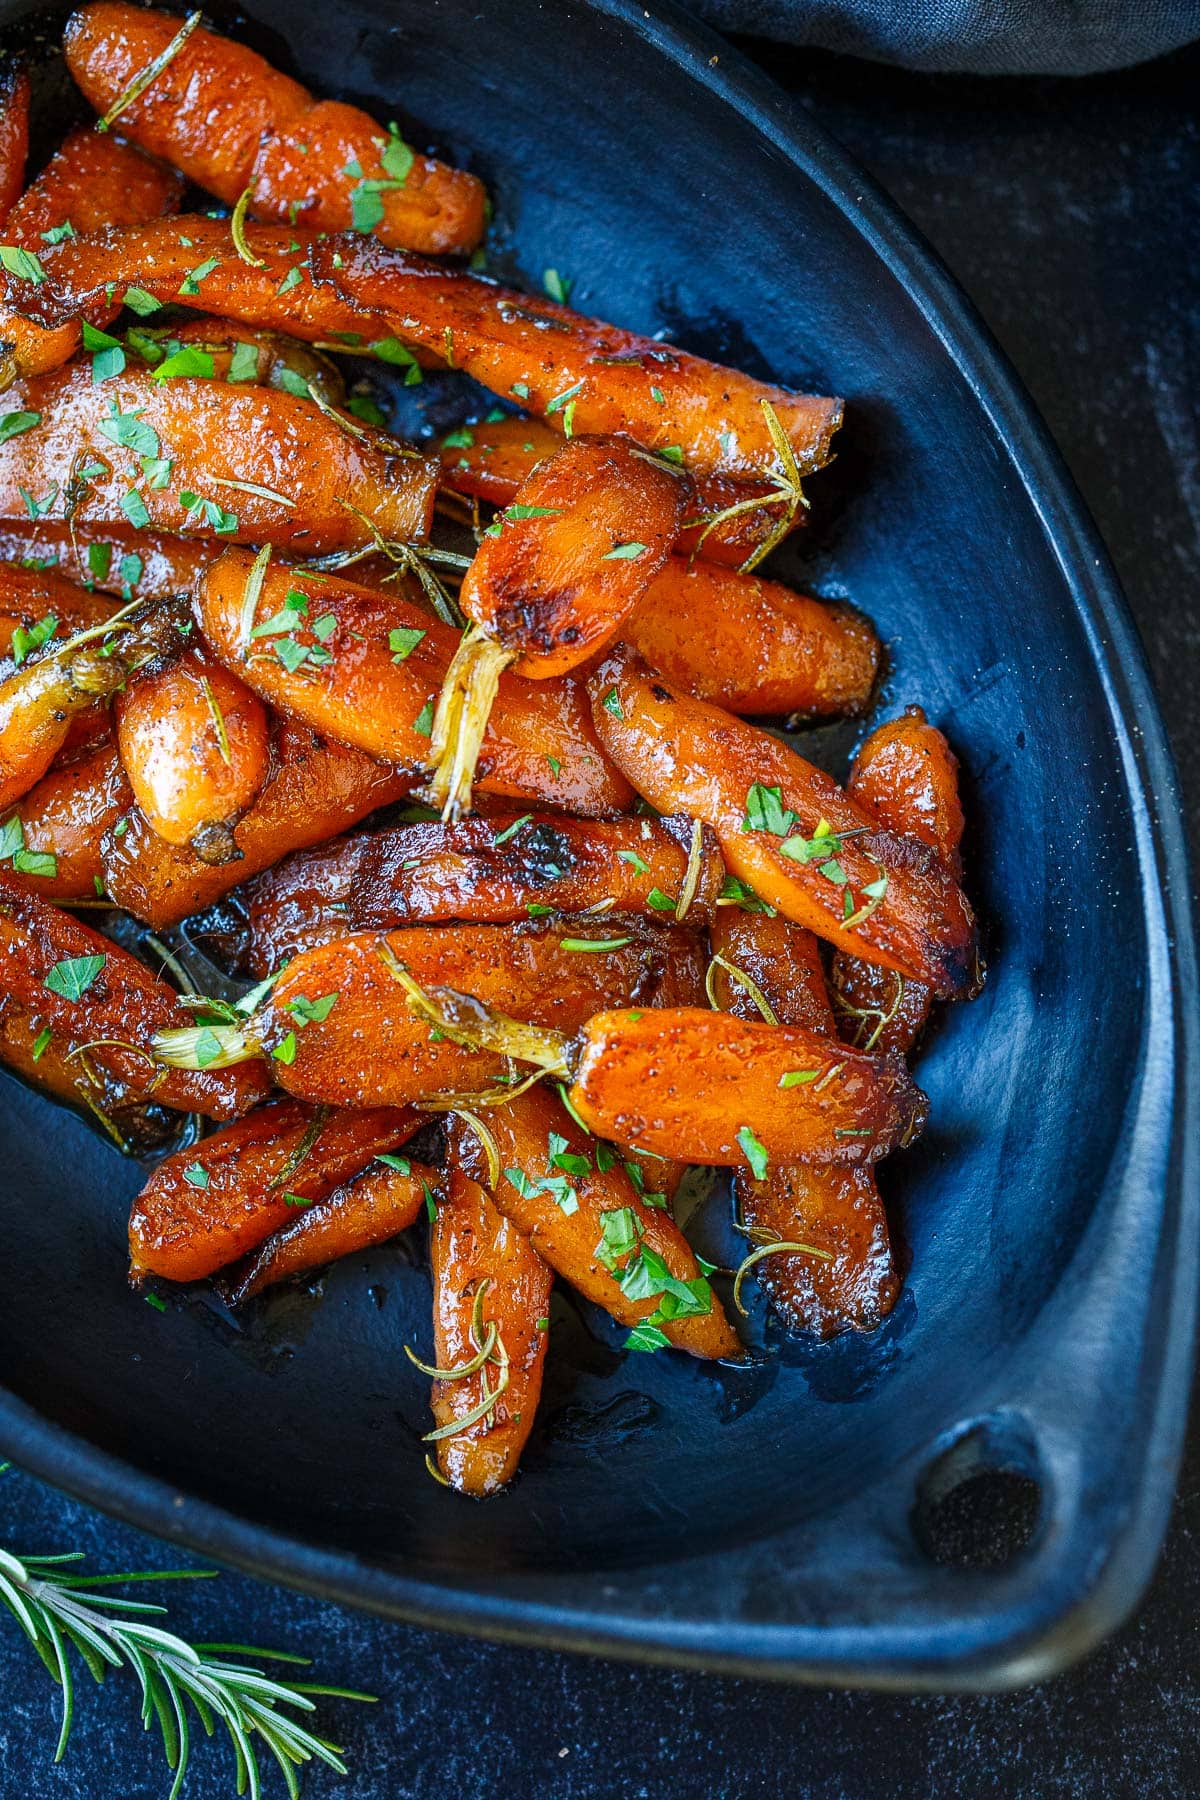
345 1023
314 790
90 1002
833 1210
39 700
563 566
14 135
214 1201
491 1300
753 645
196 745
377 1204
579 1205
233 123
207 459
786 828
136 565
492 871
554 577
709 1088
39 607
363 666
218 351
707 418
906 775
62 820
89 182
489 461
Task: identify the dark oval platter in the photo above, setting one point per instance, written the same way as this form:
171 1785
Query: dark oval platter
817 1515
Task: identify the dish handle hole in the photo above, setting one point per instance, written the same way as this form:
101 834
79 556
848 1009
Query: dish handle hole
979 1500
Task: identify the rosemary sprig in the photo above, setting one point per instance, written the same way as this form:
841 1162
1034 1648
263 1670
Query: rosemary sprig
60 1610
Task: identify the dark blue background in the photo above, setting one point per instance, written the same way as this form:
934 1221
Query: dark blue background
1069 211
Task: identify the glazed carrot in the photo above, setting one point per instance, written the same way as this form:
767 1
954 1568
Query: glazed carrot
89 182
238 355
344 285
14 135
371 1047
63 819
490 460
710 1088
137 565
835 1209
753 645
230 121
38 701
786 828
214 1201
490 1286
101 1006
363 667
907 776
377 1204
39 607
554 577
314 790
560 570
196 745
492 871
206 458
575 1201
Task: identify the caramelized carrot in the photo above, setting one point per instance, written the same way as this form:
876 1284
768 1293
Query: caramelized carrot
569 1196
710 1088
490 460
362 666
371 1047
230 121
101 1006
63 819
14 135
834 1209
207 458
89 182
40 606
348 286
560 570
38 701
492 871
227 353
137 565
195 742
214 1201
786 828
375 1205
314 790
753 645
907 776
486 1277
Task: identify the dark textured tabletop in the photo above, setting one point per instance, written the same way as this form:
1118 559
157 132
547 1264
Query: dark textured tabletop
1071 213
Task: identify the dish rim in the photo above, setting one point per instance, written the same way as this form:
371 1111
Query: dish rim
1033 1647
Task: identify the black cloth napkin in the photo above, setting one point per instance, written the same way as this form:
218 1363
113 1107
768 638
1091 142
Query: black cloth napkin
983 37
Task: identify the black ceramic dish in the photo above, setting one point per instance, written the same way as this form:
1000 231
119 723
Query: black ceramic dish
788 1520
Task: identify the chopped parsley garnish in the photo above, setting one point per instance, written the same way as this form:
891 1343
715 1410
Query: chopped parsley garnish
188 360
557 286
403 640
129 431
190 285
611 702
511 830
797 1077
366 197
391 350
41 1043
134 508
196 1175
513 515
624 552
636 863
401 1164
423 723
22 263
594 944
311 1012
74 975
108 357
26 640
755 1155
14 423
285 1050
243 364
661 902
